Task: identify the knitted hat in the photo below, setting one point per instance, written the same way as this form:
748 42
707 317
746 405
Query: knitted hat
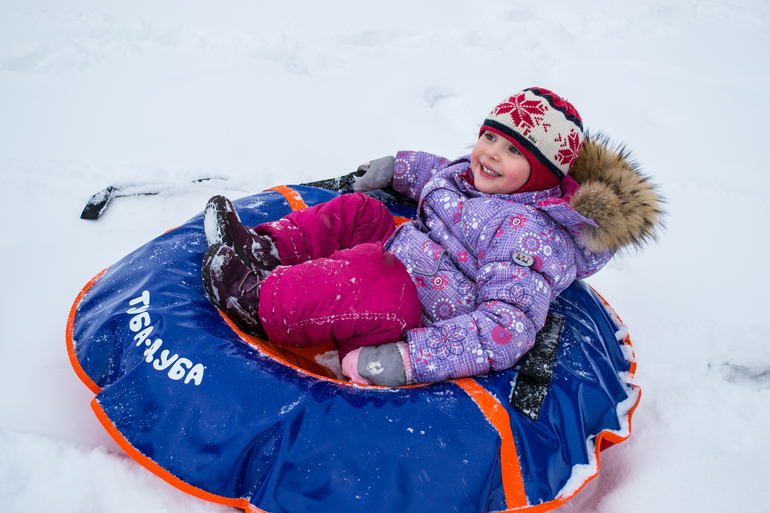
545 128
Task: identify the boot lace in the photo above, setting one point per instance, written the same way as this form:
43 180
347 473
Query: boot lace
258 282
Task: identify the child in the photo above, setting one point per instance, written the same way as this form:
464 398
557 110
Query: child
464 289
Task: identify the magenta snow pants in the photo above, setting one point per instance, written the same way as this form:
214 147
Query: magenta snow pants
336 282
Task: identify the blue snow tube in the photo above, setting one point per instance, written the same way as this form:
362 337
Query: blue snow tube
231 419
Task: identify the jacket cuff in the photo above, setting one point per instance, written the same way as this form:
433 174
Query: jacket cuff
350 368
403 348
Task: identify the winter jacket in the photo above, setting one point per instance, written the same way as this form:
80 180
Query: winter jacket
487 266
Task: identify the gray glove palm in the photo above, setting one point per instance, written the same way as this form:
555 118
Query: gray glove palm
379 174
382 365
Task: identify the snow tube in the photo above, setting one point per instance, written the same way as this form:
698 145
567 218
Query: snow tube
233 420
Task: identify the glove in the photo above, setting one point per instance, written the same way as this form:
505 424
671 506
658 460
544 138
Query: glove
379 174
379 365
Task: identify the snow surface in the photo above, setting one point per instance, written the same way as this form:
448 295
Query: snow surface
165 92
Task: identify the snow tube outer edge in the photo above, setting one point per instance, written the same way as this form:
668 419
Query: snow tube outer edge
606 438
515 497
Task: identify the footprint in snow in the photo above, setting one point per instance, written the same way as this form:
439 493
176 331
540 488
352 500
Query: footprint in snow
754 376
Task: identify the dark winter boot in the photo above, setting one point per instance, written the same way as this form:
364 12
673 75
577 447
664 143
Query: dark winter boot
233 287
223 226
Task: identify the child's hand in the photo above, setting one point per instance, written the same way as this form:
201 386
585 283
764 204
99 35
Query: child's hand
379 174
377 365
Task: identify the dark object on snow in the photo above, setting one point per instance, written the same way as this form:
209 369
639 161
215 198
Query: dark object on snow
537 368
99 201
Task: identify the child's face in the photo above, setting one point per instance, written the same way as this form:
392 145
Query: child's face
498 166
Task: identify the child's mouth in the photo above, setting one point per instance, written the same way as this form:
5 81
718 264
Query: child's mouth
489 172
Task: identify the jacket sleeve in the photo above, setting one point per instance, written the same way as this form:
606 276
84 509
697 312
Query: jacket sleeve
413 169
513 301
495 336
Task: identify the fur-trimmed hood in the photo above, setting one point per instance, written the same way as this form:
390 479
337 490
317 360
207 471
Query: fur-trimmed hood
624 204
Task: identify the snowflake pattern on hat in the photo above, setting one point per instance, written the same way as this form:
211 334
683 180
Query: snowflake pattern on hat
560 103
526 114
569 148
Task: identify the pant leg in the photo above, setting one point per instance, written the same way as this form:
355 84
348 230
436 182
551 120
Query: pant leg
317 232
356 297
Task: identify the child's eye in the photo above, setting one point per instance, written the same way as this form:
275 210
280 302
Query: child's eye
489 136
513 149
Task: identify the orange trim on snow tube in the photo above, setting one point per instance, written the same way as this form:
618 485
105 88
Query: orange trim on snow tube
606 443
297 203
601 438
164 474
124 444
293 197
513 483
401 220
303 361
71 343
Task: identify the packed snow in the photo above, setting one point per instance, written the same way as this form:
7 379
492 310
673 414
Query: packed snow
158 94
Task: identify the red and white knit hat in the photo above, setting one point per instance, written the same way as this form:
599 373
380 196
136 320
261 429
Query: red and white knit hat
547 130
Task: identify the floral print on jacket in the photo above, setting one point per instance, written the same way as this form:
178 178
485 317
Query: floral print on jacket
486 267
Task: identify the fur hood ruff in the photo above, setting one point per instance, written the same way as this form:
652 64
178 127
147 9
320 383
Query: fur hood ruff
623 202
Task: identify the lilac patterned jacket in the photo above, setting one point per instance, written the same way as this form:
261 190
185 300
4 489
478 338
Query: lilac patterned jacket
486 266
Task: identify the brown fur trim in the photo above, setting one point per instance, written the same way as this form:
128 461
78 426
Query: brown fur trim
613 192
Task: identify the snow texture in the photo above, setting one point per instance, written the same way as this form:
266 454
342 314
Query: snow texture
265 93
331 360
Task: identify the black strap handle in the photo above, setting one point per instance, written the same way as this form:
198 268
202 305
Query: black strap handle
537 368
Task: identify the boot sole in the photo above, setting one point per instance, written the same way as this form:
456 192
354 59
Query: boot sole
206 274
217 228
215 222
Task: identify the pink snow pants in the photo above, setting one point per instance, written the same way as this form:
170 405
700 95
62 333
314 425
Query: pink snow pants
336 282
